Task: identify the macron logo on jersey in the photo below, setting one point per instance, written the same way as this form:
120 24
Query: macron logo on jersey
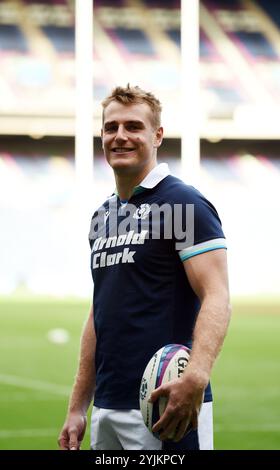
103 259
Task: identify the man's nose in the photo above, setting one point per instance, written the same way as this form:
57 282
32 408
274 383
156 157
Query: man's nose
121 134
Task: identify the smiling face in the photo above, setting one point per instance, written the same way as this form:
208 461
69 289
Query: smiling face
128 138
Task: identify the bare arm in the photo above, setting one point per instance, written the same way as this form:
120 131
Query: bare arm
74 427
207 274
209 280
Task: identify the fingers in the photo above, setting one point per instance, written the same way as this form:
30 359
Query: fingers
169 430
72 432
69 440
180 430
161 424
185 426
158 392
63 442
194 420
180 415
73 440
166 425
174 428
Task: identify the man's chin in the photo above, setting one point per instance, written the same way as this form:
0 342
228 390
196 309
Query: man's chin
122 165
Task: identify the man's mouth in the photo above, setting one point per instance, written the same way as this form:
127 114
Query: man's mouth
122 149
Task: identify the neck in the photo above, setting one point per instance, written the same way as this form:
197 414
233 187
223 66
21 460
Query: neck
125 183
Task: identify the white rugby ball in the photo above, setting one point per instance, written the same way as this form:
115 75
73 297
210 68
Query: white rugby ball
167 364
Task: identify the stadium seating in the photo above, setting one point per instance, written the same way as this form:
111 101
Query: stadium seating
133 41
206 47
136 42
169 4
271 8
62 38
46 2
175 35
109 3
47 203
12 39
129 43
256 44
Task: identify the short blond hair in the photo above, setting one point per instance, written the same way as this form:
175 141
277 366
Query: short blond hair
132 95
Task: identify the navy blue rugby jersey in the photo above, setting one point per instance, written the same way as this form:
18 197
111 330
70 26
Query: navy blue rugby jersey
142 298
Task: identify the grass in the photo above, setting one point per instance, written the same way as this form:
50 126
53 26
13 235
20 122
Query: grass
32 418
36 375
246 380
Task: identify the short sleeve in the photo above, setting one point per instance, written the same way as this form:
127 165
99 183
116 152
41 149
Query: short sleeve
197 226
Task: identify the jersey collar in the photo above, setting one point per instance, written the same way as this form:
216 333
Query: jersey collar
155 176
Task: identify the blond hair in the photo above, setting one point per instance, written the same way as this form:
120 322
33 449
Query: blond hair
132 95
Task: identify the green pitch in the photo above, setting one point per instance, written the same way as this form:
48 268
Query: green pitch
36 374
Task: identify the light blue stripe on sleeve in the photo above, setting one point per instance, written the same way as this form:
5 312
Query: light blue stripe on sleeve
210 245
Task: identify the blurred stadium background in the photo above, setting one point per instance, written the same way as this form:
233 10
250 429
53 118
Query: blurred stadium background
45 280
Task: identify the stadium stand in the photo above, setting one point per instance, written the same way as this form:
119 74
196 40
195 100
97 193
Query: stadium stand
133 41
246 25
240 70
46 188
256 44
109 3
271 8
12 39
206 48
62 38
175 35
168 4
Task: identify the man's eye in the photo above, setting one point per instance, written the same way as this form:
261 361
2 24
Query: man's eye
110 129
132 127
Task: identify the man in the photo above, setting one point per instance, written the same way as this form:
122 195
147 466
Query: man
157 280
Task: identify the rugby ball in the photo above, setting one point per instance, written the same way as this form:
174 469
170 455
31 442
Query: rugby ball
167 364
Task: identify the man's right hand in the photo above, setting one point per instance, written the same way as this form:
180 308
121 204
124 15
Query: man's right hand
73 431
